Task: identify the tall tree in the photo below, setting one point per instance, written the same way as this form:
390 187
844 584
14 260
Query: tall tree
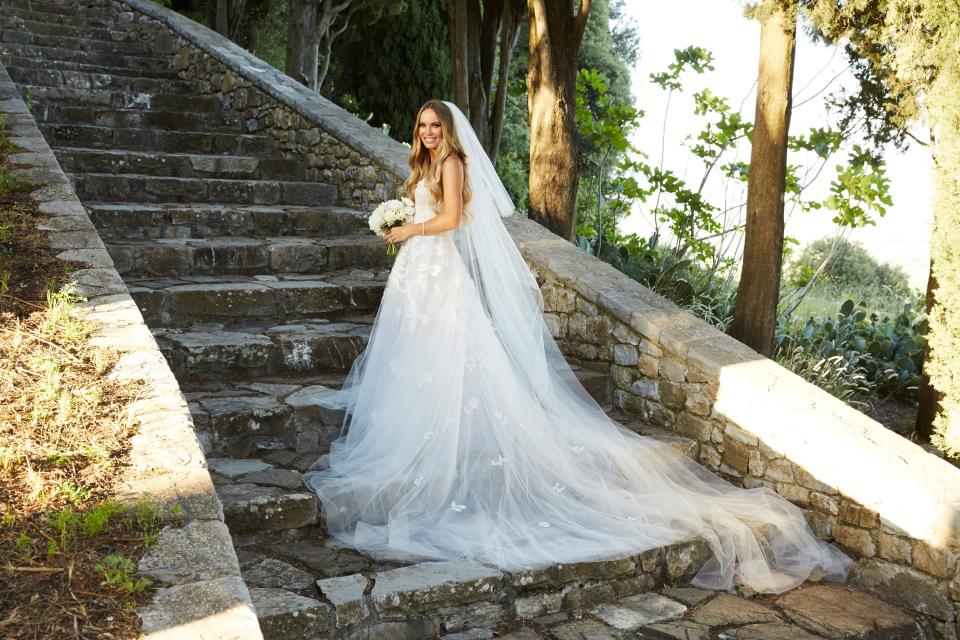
483 37
755 316
555 33
314 25
376 81
903 51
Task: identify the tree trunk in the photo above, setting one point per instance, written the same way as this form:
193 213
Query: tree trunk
302 42
509 34
458 48
755 316
223 17
927 397
555 35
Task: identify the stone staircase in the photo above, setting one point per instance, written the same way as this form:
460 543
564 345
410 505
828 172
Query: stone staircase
261 290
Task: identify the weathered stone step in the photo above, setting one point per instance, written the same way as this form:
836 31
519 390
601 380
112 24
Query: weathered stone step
107 137
139 118
245 352
30 10
252 256
250 418
105 187
253 507
39 53
86 82
183 165
73 65
68 100
122 221
43 27
284 615
130 47
294 413
175 302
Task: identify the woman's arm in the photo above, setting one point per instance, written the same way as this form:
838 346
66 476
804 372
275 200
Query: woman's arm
449 217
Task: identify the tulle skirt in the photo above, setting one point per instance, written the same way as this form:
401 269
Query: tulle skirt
451 451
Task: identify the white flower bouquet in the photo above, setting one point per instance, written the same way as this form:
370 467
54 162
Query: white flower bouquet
390 214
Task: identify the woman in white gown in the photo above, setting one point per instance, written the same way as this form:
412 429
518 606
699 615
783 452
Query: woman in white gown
467 436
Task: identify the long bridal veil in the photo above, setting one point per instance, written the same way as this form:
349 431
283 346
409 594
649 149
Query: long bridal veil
467 434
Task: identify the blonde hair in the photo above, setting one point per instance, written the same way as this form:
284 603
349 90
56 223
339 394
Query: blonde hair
419 158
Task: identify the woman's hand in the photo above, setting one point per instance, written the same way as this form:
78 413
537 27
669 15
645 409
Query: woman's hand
398 234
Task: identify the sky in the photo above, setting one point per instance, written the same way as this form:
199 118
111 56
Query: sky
900 237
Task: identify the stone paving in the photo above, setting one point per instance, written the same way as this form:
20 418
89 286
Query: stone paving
260 288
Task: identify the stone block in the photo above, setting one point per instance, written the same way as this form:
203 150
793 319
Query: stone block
903 586
287 616
249 507
345 593
632 612
683 560
727 610
218 609
424 585
276 574
859 541
836 612
199 551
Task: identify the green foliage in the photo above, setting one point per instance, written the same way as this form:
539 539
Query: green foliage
609 50
857 349
385 70
852 267
118 572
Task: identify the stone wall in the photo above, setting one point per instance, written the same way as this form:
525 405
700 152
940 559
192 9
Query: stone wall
890 504
335 146
894 507
194 557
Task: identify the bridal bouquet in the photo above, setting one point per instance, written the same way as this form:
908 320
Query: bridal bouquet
390 214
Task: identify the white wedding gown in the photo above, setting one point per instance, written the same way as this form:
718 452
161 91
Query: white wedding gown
453 452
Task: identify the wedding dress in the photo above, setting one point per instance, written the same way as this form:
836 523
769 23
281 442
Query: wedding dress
467 435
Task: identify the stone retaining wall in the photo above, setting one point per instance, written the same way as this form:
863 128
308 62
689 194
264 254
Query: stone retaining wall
206 596
893 506
335 146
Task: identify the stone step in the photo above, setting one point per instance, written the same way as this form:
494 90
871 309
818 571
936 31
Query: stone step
105 187
68 100
17 23
30 10
251 256
129 47
122 221
183 165
254 507
21 62
40 53
181 301
212 352
138 118
296 414
284 615
106 137
92 83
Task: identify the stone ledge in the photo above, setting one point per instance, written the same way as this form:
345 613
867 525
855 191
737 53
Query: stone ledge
208 598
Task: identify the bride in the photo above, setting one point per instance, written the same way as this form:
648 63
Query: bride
467 435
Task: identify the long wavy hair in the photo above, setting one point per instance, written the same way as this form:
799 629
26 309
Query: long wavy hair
419 159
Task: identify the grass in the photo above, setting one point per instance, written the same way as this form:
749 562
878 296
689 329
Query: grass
68 551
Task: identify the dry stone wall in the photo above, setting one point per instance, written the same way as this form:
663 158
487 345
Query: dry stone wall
890 504
335 146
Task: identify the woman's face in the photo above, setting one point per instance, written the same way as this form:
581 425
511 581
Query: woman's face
429 129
